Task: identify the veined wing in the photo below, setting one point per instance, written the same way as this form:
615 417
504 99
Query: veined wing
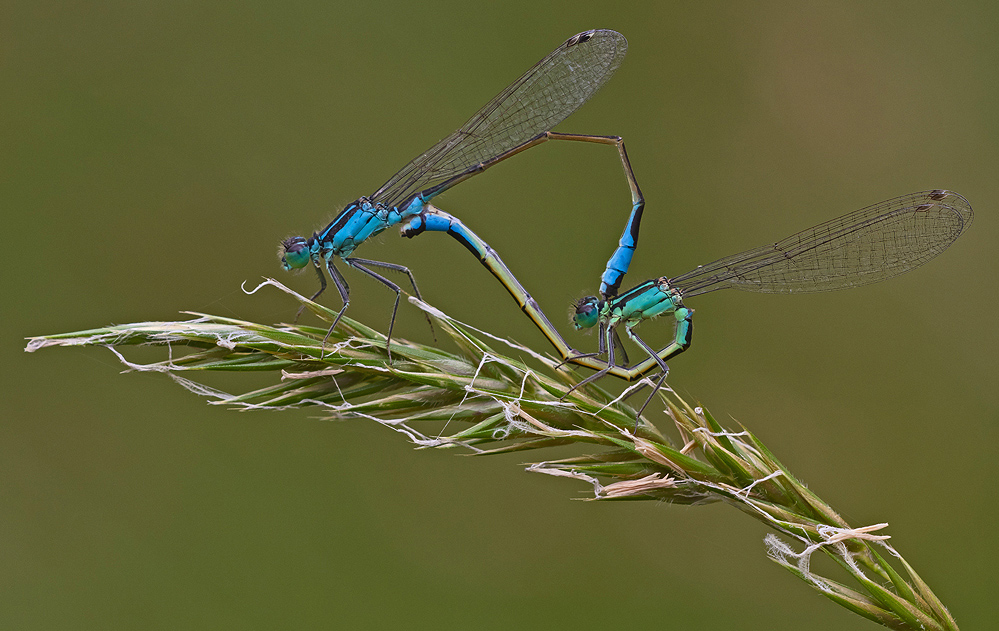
865 246
536 102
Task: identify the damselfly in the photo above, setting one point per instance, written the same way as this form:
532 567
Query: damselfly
866 246
518 118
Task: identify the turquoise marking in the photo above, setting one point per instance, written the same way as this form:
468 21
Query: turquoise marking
654 300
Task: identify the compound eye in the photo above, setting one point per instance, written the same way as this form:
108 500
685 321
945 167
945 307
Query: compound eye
587 313
296 253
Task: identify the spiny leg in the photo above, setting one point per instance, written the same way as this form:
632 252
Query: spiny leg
322 288
344 289
682 334
662 366
616 339
600 373
601 348
356 264
405 270
572 358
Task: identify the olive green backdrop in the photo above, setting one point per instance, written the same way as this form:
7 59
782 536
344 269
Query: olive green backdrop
152 156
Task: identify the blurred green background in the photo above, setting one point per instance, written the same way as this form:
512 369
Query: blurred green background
152 156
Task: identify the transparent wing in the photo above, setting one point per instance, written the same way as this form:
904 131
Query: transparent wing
865 246
538 101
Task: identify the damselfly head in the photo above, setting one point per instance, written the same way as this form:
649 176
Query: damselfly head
296 253
587 313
